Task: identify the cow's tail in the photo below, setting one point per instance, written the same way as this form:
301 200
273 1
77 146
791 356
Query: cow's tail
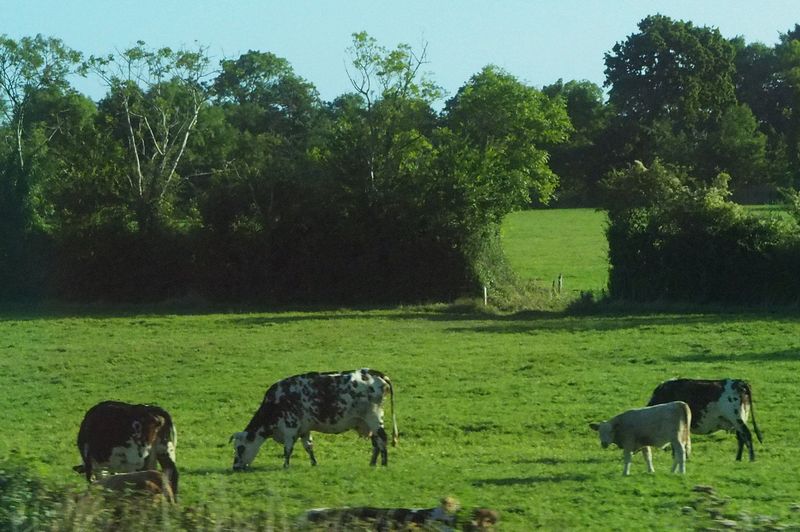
395 432
753 414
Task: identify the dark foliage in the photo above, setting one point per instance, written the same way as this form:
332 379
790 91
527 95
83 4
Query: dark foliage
680 242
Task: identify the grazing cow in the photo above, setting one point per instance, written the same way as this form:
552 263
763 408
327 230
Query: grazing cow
139 482
321 402
122 438
652 426
716 405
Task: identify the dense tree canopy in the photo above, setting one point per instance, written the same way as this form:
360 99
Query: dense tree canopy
236 181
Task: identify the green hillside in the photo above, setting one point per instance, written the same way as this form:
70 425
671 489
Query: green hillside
541 244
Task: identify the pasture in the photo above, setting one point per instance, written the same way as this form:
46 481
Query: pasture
542 244
492 409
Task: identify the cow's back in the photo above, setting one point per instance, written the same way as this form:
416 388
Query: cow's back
697 393
715 404
652 425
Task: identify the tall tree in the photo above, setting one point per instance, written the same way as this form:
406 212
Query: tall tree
582 160
31 69
274 115
28 67
396 95
671 69
670 83
500 131
787 54
154 101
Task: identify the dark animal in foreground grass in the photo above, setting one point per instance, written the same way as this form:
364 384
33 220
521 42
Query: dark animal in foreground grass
122 438
653 426
150 482
716 405
442 517
323 402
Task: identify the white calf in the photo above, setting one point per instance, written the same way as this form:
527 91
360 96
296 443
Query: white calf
652 426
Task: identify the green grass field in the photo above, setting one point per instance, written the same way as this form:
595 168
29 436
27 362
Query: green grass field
492 409
542 244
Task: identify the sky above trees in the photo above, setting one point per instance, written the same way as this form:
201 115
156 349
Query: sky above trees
537 41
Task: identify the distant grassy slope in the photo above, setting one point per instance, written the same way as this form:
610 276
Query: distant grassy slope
540 244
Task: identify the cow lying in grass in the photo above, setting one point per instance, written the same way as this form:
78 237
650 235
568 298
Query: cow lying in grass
652 426
442 517
716 405
148 482
323 402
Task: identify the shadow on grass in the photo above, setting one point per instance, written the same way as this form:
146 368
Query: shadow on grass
528 481
787 355
460 319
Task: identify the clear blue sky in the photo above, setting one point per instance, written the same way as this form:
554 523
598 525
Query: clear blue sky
537 41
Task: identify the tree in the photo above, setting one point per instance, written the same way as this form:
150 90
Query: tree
154 101
31 70
670 84
673 70
26 67
396 96
500 130
787 55
582 160
274 116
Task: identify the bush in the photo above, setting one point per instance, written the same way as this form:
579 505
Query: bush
25 503
671 240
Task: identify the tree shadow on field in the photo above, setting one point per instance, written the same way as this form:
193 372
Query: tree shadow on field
527 481
787 355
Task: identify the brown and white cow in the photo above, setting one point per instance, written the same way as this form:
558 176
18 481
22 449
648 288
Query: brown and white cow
323 402
121 438
652 426
716 405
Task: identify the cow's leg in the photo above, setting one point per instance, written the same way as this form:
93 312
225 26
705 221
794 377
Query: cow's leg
647 453
379 445
627 458
678 457
288 446
744 437
169 468
87 469
308 445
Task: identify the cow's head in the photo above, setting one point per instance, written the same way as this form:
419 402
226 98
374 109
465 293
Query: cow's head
244 450
606 432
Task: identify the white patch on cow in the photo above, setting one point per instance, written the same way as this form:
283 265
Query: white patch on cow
125 459
723 414
245 451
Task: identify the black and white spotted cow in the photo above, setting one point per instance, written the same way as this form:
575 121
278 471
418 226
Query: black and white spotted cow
716 405
121 438
323 402
442 517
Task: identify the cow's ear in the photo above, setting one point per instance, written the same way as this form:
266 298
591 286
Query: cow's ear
594 425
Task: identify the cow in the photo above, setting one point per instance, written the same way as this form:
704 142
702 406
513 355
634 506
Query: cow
139 482
442 517
120 437
323 402
656 426
716 405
